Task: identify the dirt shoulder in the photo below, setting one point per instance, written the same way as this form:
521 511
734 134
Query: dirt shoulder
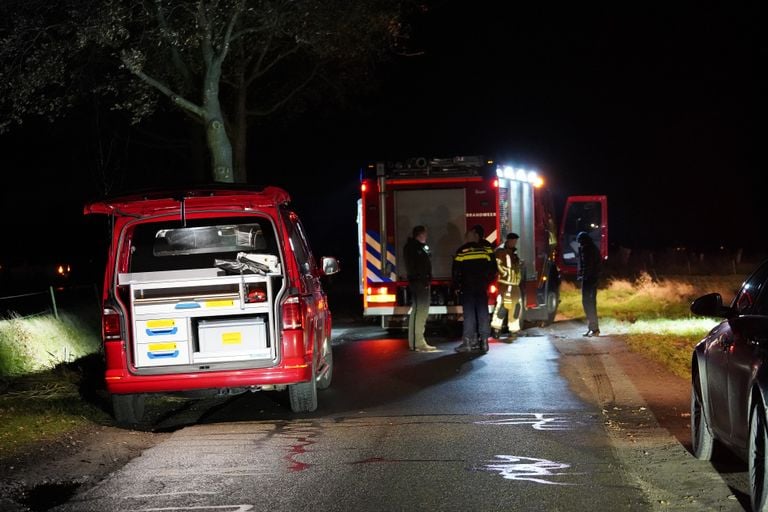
646 412
49 473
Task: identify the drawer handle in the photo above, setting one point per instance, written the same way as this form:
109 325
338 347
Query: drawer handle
187 305
163 355
162 332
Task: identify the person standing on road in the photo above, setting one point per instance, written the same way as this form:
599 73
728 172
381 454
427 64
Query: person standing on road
473 271
477 228
509 303
588 273
418 267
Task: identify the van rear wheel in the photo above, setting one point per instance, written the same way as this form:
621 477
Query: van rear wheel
304 394
128 410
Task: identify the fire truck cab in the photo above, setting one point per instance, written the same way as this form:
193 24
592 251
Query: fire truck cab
449 196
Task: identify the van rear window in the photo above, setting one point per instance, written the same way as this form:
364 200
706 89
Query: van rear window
168 246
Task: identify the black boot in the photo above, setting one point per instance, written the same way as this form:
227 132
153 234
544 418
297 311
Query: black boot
466 345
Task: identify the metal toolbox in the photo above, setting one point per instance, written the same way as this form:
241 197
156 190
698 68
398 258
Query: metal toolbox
241 338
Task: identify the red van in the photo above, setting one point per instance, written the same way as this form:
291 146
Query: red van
212 290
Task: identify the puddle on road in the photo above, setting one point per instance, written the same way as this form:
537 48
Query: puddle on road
46 496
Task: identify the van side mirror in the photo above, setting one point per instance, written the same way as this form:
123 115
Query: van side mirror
330 265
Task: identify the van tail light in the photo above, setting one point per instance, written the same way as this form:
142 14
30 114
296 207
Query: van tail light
292 313
111 324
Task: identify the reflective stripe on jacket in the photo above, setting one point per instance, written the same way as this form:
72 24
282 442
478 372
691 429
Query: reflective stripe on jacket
509 266
473 267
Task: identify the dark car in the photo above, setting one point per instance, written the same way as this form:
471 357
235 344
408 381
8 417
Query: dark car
730 381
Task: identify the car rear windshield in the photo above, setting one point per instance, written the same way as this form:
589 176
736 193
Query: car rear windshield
170 246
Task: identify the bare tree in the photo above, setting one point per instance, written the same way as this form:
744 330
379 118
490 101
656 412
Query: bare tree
222 63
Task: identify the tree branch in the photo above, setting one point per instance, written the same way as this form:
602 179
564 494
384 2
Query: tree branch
175 55
259 71
175 98
228 34
245 31
288 96
262 55
205 29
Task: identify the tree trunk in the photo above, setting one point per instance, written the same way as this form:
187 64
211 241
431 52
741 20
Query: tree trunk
241 135
197 157
216 134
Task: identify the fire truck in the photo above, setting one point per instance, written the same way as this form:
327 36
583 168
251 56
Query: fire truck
449 196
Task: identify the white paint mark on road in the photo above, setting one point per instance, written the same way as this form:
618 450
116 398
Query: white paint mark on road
512 467
140 496
538 420
225 508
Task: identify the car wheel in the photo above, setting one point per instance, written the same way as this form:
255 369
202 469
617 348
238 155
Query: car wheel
303 395
128 410
553 300
758 477
326 365
702 440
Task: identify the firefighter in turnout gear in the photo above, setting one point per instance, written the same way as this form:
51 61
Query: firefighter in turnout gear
509 303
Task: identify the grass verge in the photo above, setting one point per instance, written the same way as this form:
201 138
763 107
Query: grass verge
50 378
653 316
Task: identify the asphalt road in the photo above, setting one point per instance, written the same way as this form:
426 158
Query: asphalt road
509 430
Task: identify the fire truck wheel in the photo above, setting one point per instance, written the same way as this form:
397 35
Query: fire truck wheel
128 409
304 394
553 301
326 365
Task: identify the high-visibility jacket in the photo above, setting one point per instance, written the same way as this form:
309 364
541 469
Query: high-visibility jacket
473 267
509 266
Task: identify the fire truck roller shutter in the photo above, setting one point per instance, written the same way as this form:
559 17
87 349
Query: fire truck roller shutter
442 211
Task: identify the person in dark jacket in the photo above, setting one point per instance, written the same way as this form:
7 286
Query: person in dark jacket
588 273
474 269
418 268
477 228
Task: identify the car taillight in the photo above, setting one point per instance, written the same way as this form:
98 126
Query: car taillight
291 312
111 324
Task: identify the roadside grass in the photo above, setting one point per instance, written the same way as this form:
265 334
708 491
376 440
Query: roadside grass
38 343
49 378
45 406
653 316
51 372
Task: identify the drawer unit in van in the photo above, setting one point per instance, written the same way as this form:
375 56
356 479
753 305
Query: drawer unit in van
232 339
163 329
172 293
162 353
162 342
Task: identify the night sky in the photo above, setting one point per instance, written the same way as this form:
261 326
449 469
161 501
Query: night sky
660 106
